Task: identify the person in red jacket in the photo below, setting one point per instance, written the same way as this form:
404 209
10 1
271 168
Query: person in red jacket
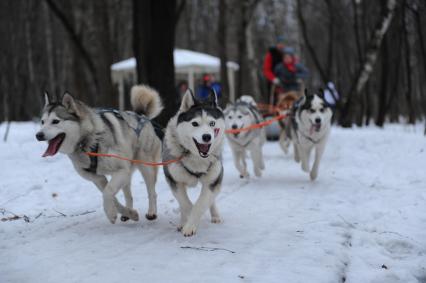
272 59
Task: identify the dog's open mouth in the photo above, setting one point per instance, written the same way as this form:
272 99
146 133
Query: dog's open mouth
316 127
203 148
54 145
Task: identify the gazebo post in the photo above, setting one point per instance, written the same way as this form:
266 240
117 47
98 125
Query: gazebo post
231 80
121 92
191 78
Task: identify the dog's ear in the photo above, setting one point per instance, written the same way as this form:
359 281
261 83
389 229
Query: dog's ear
188 101
213 98
321 92
70 104
308 94
46 98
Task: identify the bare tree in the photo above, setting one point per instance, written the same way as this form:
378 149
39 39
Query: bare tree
153 43
370 59
223 52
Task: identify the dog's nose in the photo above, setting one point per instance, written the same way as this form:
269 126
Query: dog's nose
206 137
40 136
318 120
234 127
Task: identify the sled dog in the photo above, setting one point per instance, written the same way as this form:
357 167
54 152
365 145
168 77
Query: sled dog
73 128
308 127
242 114
195 134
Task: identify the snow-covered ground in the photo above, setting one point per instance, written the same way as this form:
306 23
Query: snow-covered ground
363 220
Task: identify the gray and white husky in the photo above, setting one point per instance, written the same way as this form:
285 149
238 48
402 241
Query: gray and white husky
73 128
309 127
195 134
241 114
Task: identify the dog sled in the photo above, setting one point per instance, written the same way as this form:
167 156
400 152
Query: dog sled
280 101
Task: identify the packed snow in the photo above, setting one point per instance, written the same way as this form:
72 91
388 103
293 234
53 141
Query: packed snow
363 220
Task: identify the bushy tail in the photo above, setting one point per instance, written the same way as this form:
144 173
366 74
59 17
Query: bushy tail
145 100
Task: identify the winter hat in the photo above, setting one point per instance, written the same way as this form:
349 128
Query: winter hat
280 39
289 51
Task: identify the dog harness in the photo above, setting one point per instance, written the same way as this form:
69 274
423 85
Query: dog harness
141 122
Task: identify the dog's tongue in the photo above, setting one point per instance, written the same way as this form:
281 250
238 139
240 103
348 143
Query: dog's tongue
314 127
53 147
204 147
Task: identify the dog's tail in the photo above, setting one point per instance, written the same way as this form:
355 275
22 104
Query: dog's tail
146 100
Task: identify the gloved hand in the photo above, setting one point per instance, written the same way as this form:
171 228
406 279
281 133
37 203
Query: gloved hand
276 81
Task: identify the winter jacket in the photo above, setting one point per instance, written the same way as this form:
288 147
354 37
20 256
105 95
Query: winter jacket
203 91
272 59
289 79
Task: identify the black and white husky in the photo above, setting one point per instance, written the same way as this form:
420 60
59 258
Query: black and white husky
73 128
242 114
309 127
195 134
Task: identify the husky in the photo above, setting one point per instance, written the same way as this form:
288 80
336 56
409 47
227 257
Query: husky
73 128
241 114
284 104
195 136
308 127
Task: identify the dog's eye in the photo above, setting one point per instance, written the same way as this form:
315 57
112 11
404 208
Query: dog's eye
195 124
312 110
229 117
42 122
322 110
239 116
56 121
212 123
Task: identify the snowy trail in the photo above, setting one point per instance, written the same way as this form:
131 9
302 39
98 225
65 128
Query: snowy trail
363 220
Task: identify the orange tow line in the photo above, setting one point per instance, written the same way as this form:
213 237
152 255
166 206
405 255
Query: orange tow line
271 108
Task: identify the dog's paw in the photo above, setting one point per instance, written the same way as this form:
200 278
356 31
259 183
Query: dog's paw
189 230
244 175
313 175
111 213
151 216
112 218
129 214
258 172
216 219
133 215
305 167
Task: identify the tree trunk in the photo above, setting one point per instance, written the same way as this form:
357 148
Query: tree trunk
408 92
253 65
309 45
247 9
153 43
384 85
223 52
78 44
369 61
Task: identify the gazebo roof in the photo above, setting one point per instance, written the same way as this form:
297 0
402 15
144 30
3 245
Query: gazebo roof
184 60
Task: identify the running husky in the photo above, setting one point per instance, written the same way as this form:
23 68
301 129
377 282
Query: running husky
195 134
241 114
309 127
73 128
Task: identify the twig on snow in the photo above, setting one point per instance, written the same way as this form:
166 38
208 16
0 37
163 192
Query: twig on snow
348 223
207 249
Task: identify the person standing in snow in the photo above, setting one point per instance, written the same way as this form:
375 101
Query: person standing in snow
272 58
289 72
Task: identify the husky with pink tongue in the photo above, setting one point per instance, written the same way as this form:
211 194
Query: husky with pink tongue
308 127
71 127
195 135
